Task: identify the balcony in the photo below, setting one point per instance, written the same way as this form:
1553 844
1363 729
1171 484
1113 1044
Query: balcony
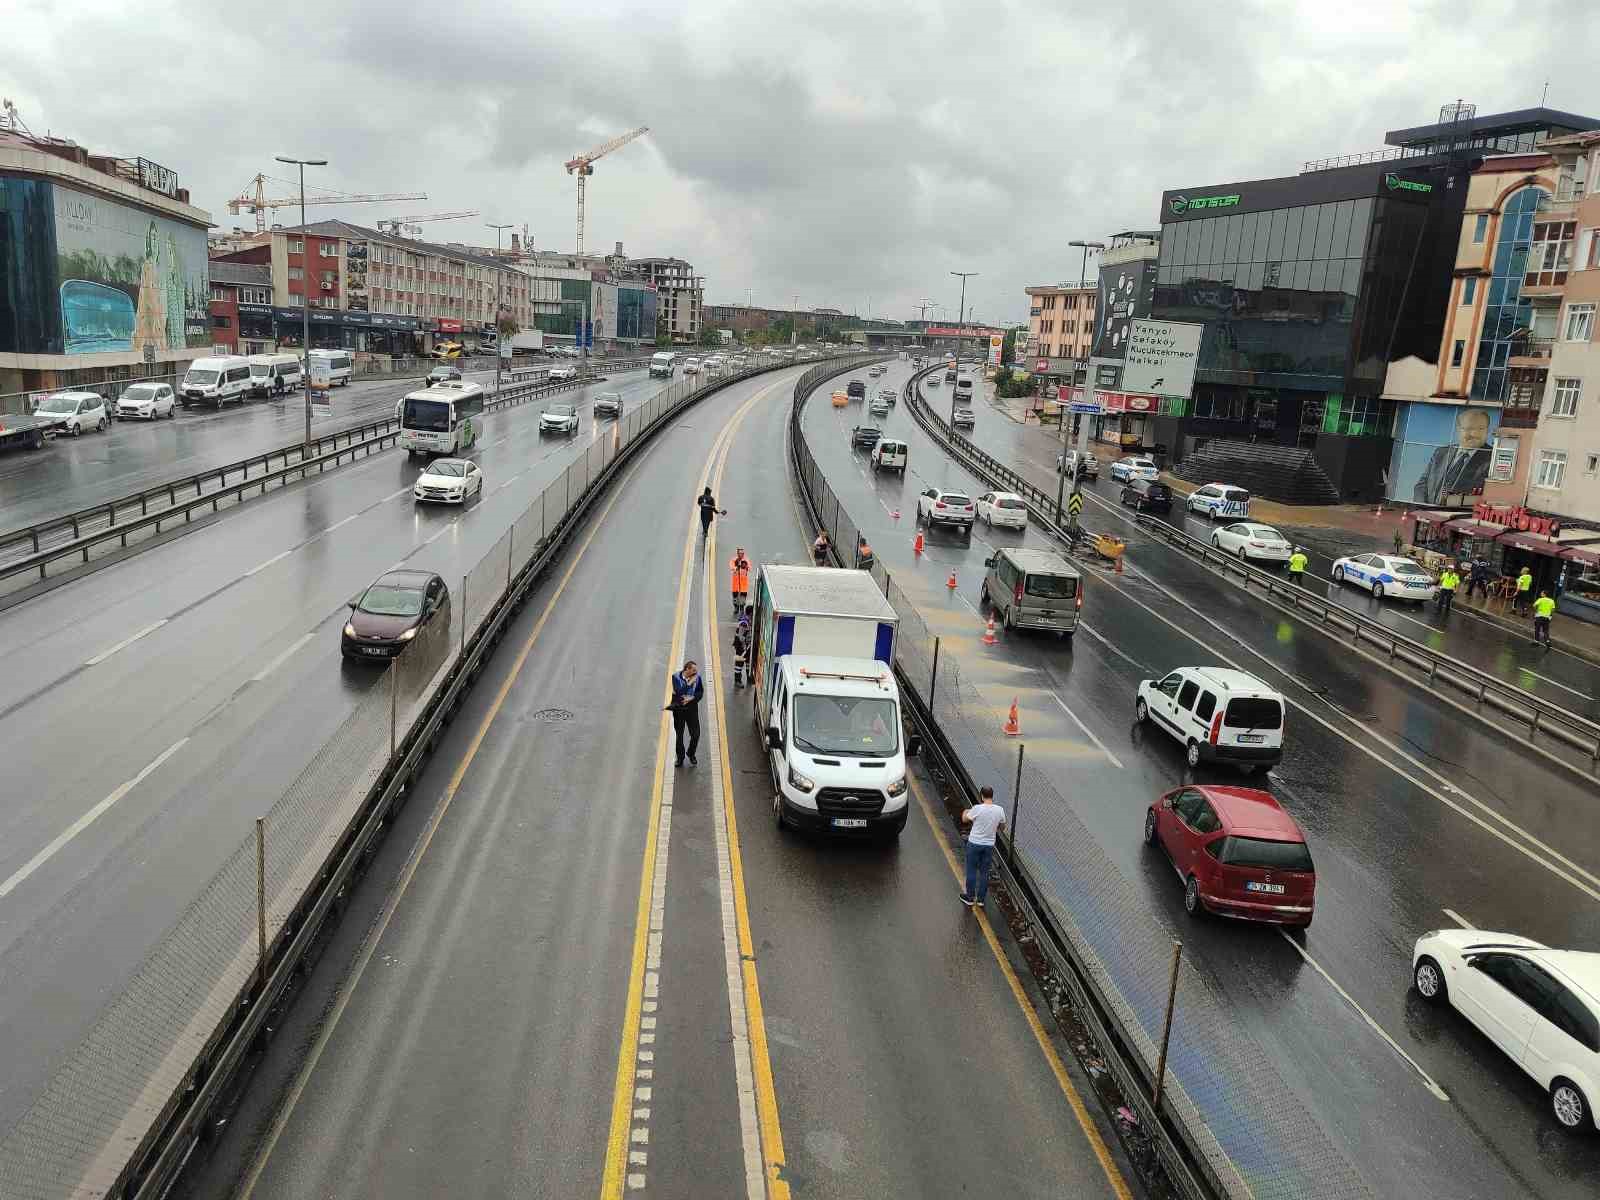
1530 351
1519 418
1544 287
1563 204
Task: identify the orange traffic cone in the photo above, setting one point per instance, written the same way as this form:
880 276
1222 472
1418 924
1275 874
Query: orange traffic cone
1013 726
895 515
916 546
988 634
951 582
1119 564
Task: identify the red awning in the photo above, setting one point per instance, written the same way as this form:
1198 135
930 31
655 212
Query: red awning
1583 554
1471 528
1531 541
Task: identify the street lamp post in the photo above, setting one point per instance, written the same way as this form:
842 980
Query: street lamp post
1089 393
961 325
305 286
499 356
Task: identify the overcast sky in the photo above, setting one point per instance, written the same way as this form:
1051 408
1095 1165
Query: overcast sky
845 153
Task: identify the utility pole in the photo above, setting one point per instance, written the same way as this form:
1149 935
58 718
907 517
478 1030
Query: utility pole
961 326
499 356
305 287
1089 389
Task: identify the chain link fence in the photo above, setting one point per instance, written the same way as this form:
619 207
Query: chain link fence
1240 1117
86 1133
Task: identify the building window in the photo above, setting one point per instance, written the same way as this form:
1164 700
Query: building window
1481 229
296 273
1564 400
1469 289
1551 255
296 246
1580 322
328 249
1552 466
1506 309
1591 463
220 323
1458 352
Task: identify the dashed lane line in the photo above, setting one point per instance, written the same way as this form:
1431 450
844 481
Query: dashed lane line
282 658
125 643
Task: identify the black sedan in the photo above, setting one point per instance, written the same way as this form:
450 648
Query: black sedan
865 435
1147 495
389 615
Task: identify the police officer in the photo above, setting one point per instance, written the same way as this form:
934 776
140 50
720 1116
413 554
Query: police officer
1543 607
1449 581
1524 590
1297 565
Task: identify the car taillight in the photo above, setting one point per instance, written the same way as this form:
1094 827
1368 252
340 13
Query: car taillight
1016 597
938 503
1259 545
1078 603
1216 728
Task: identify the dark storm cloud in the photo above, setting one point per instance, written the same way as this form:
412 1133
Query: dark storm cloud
834 151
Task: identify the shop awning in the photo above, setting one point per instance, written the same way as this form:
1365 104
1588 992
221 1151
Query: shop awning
1480 529
1589 555
1531 541
1437 517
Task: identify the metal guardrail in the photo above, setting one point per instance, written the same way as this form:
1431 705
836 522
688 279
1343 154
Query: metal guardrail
1427 666
51 1152
35 548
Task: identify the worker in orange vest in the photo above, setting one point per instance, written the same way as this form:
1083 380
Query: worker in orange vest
864 558
739 570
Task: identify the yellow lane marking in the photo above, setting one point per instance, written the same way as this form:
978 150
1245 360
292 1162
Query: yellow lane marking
766 1091
614 1178
375 935
1057 1067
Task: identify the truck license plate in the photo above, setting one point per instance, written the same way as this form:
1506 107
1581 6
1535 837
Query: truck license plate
849 822
1252 738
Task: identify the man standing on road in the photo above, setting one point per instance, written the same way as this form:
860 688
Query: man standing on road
1297 566
739 571
687 692
708 509
1524 590
987 819
1543 609
1478 580
1448 582
864 558
819 549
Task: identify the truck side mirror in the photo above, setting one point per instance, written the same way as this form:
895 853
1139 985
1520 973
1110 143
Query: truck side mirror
774 738
913 745
989 562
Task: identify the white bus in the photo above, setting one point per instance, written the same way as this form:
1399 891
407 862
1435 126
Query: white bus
340 365
446 418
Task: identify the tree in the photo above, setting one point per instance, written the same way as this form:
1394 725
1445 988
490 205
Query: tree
1009 383
507 325
663 339
1008 348
710 336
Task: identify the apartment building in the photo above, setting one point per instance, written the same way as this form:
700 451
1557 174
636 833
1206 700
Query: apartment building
1061 320
680 295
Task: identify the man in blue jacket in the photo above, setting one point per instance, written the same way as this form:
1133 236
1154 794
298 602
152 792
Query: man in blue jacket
687 692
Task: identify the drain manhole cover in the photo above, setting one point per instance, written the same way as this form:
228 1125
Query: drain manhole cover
552 714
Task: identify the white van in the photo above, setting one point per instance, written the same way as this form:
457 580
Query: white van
1217 715
218 380
274 374
663 365
340 365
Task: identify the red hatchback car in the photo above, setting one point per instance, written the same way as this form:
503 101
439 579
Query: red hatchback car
1238 853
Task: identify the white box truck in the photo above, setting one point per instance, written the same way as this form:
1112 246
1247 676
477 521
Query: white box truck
827 706
663 365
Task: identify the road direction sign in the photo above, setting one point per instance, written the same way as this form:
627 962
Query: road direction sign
1075 504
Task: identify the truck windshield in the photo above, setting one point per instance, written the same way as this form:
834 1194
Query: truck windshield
858 725
431 416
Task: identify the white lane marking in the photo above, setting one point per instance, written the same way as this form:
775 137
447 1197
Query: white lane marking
434 537
1089 733
339 524
125 643
83 822
968 603
1111 646
1458 918
279 557
1398 751
281 659
402 492
1556 683
1427 1080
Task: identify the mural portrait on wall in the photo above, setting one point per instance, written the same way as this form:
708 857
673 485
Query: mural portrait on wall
1458 469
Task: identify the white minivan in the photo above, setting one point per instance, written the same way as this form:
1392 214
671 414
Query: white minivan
1217 715
274 374
340 365
218 380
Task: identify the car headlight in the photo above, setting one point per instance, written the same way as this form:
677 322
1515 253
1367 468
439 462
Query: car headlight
897 788
800 782
409 634
349 629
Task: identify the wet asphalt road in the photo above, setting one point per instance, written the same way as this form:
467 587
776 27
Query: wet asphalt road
1557 676
476 1054
1410 810
238 667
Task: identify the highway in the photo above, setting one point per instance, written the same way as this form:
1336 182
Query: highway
1416 818
478 1034
207 669
1559 677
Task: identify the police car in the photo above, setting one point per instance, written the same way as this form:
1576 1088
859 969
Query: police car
1385 575
1134 467
1219 500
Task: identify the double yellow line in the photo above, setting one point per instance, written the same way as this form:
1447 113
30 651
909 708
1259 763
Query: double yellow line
613 1181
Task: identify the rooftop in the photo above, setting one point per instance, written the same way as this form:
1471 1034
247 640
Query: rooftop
247 274
360 233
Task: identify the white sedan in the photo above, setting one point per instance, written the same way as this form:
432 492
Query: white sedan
448 481
1003 508
562 374
1540 1006
1133 467
149 401
1385 575
1260 543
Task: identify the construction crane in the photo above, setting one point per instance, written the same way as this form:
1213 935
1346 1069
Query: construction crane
583 166
259 204
408 225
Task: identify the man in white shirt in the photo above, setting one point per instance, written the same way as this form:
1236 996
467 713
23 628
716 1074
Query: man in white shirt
987 819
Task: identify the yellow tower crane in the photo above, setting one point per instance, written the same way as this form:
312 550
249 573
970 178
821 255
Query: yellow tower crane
259 204
583 166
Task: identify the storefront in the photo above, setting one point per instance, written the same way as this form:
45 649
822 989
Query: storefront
1561 561
373 333
255 329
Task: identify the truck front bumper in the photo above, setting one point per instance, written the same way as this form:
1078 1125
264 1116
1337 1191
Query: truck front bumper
809 820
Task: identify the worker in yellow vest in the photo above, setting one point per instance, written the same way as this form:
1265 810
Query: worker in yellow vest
1543 608
1524 590
1297 565
1449 581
